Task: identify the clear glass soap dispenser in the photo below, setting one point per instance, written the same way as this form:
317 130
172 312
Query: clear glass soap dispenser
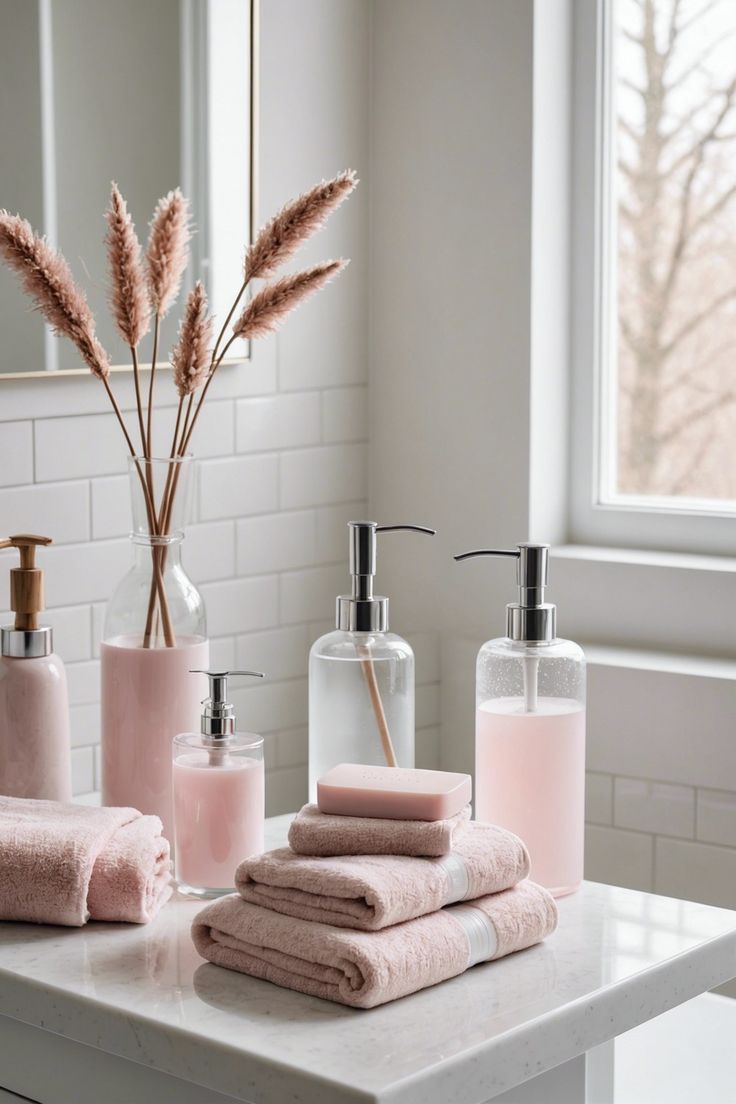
219 798
530 728
361 677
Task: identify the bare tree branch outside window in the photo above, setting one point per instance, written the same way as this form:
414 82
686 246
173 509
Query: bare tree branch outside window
675 109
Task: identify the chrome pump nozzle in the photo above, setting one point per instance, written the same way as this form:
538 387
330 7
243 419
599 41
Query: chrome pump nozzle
531 619
218 717
362 611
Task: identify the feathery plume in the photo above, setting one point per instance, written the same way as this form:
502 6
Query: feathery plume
128 299
269 307
167 251
190 358
285 232
47 278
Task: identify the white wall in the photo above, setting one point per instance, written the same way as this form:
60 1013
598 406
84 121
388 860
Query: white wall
451 233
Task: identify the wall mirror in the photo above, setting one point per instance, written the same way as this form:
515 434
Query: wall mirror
172 105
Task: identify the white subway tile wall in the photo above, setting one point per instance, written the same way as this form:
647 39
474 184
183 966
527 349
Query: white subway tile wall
661 789
618 857
321 476
280 474
16 453
598 798
655 807
716 817
698 871
671 839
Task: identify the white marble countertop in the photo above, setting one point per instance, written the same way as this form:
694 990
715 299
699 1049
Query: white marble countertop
618 958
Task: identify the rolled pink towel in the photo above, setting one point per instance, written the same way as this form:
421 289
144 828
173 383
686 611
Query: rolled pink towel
131 878
364 969
315 833
66 864
372 892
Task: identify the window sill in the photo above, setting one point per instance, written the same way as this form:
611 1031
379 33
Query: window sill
669 663
670 602
684 561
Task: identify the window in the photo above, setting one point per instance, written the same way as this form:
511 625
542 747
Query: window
654 451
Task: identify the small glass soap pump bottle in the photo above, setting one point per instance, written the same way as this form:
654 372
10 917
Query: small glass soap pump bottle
530 728
361 677
35 755
219 801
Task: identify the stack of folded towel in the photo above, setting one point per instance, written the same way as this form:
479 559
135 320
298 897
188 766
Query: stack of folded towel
66 864
355 909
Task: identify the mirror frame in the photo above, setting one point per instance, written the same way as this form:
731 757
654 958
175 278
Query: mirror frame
127 369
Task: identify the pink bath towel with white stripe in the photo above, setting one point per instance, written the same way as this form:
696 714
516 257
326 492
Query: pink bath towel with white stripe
365 969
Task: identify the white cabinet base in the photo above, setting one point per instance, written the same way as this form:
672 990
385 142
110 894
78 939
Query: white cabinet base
49 1069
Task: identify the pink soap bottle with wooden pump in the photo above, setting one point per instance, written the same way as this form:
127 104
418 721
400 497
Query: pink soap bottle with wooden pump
530 728
219 795
35 756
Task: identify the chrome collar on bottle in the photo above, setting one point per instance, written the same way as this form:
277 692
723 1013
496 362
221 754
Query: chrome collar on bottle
26 643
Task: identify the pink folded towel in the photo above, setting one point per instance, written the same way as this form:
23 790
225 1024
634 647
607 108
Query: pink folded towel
131 878
364 969
371 892
66 864
316 833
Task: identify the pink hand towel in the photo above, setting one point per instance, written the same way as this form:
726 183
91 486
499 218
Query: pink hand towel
131 879
315 833
372 892
364 969
65 864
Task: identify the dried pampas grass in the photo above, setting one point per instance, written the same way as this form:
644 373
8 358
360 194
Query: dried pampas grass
190 358
128 299
167 252
280 238
48 280
269 307
141 285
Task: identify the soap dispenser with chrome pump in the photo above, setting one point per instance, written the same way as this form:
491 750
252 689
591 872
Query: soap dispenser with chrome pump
530 728
35 755
219 795
361 676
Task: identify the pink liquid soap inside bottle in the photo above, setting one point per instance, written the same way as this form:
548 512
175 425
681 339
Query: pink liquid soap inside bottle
530 729
219 796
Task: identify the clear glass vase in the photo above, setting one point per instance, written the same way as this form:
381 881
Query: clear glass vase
154 636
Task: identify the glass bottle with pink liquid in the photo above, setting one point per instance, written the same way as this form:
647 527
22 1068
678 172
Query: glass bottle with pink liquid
530 729
219 796
154 635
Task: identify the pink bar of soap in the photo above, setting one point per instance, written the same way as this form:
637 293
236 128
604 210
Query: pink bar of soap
393 793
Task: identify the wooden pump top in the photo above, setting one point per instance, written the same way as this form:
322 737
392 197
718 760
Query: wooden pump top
26 581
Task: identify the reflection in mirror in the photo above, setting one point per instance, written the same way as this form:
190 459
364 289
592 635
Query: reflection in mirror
93 91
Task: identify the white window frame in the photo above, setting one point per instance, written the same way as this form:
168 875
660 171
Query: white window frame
664 525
